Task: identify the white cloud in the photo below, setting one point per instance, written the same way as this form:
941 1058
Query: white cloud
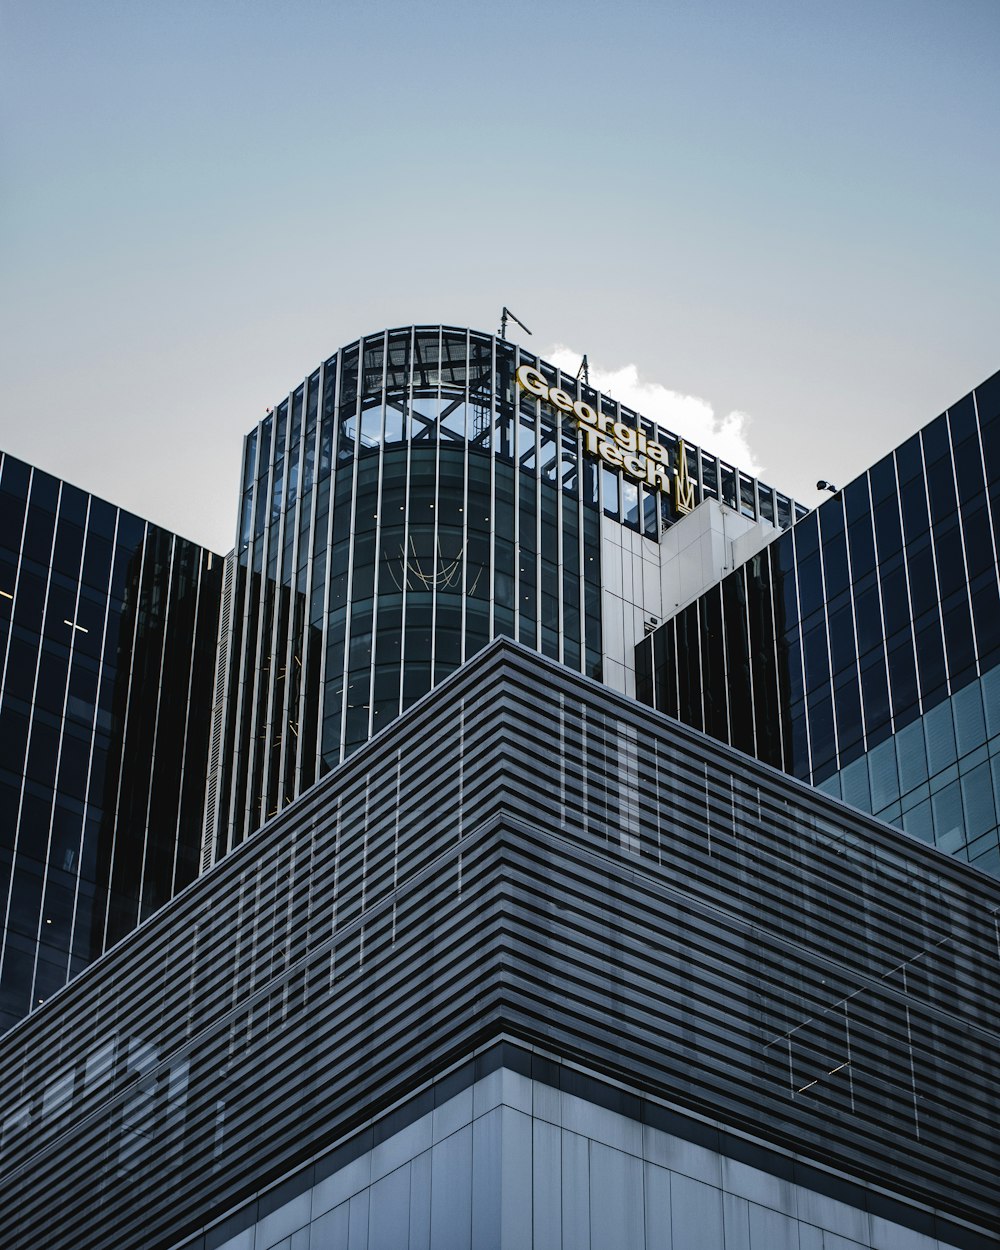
688 416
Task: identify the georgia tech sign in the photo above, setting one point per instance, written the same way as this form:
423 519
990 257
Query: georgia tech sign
617 444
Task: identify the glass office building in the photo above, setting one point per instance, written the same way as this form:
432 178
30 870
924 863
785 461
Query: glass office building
404 505
107 645
511 959
860 651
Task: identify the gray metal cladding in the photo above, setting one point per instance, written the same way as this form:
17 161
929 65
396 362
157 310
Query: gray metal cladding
522 854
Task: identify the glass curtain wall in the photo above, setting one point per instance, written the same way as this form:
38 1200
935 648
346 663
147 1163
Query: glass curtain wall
399 510
402 507
108 630
874 619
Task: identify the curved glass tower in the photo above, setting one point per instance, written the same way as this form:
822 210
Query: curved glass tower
416 496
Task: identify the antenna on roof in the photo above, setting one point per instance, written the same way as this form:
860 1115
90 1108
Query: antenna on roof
584 370
503 322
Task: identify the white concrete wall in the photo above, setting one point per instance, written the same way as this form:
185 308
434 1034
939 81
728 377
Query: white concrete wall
511 1164
648 581
630 572
700 550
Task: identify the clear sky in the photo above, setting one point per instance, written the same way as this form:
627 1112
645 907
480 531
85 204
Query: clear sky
782 208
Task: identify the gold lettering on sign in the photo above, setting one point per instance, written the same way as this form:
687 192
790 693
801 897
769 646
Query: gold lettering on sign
617 444
683 485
